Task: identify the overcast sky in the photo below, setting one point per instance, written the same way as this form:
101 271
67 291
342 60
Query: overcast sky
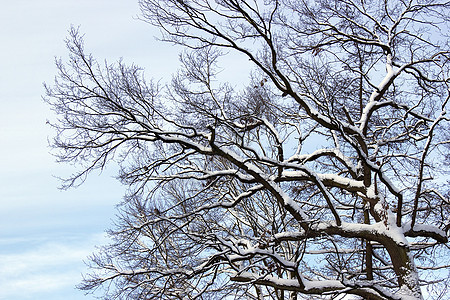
45 233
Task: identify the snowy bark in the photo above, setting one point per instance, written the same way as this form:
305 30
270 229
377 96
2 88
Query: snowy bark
324 176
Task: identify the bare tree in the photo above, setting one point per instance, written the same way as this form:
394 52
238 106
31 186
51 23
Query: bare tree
325 177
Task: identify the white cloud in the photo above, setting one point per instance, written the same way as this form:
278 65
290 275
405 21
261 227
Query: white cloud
45 270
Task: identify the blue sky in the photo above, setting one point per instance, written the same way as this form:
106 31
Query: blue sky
45 233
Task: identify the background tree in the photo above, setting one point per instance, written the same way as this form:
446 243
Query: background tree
325 177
